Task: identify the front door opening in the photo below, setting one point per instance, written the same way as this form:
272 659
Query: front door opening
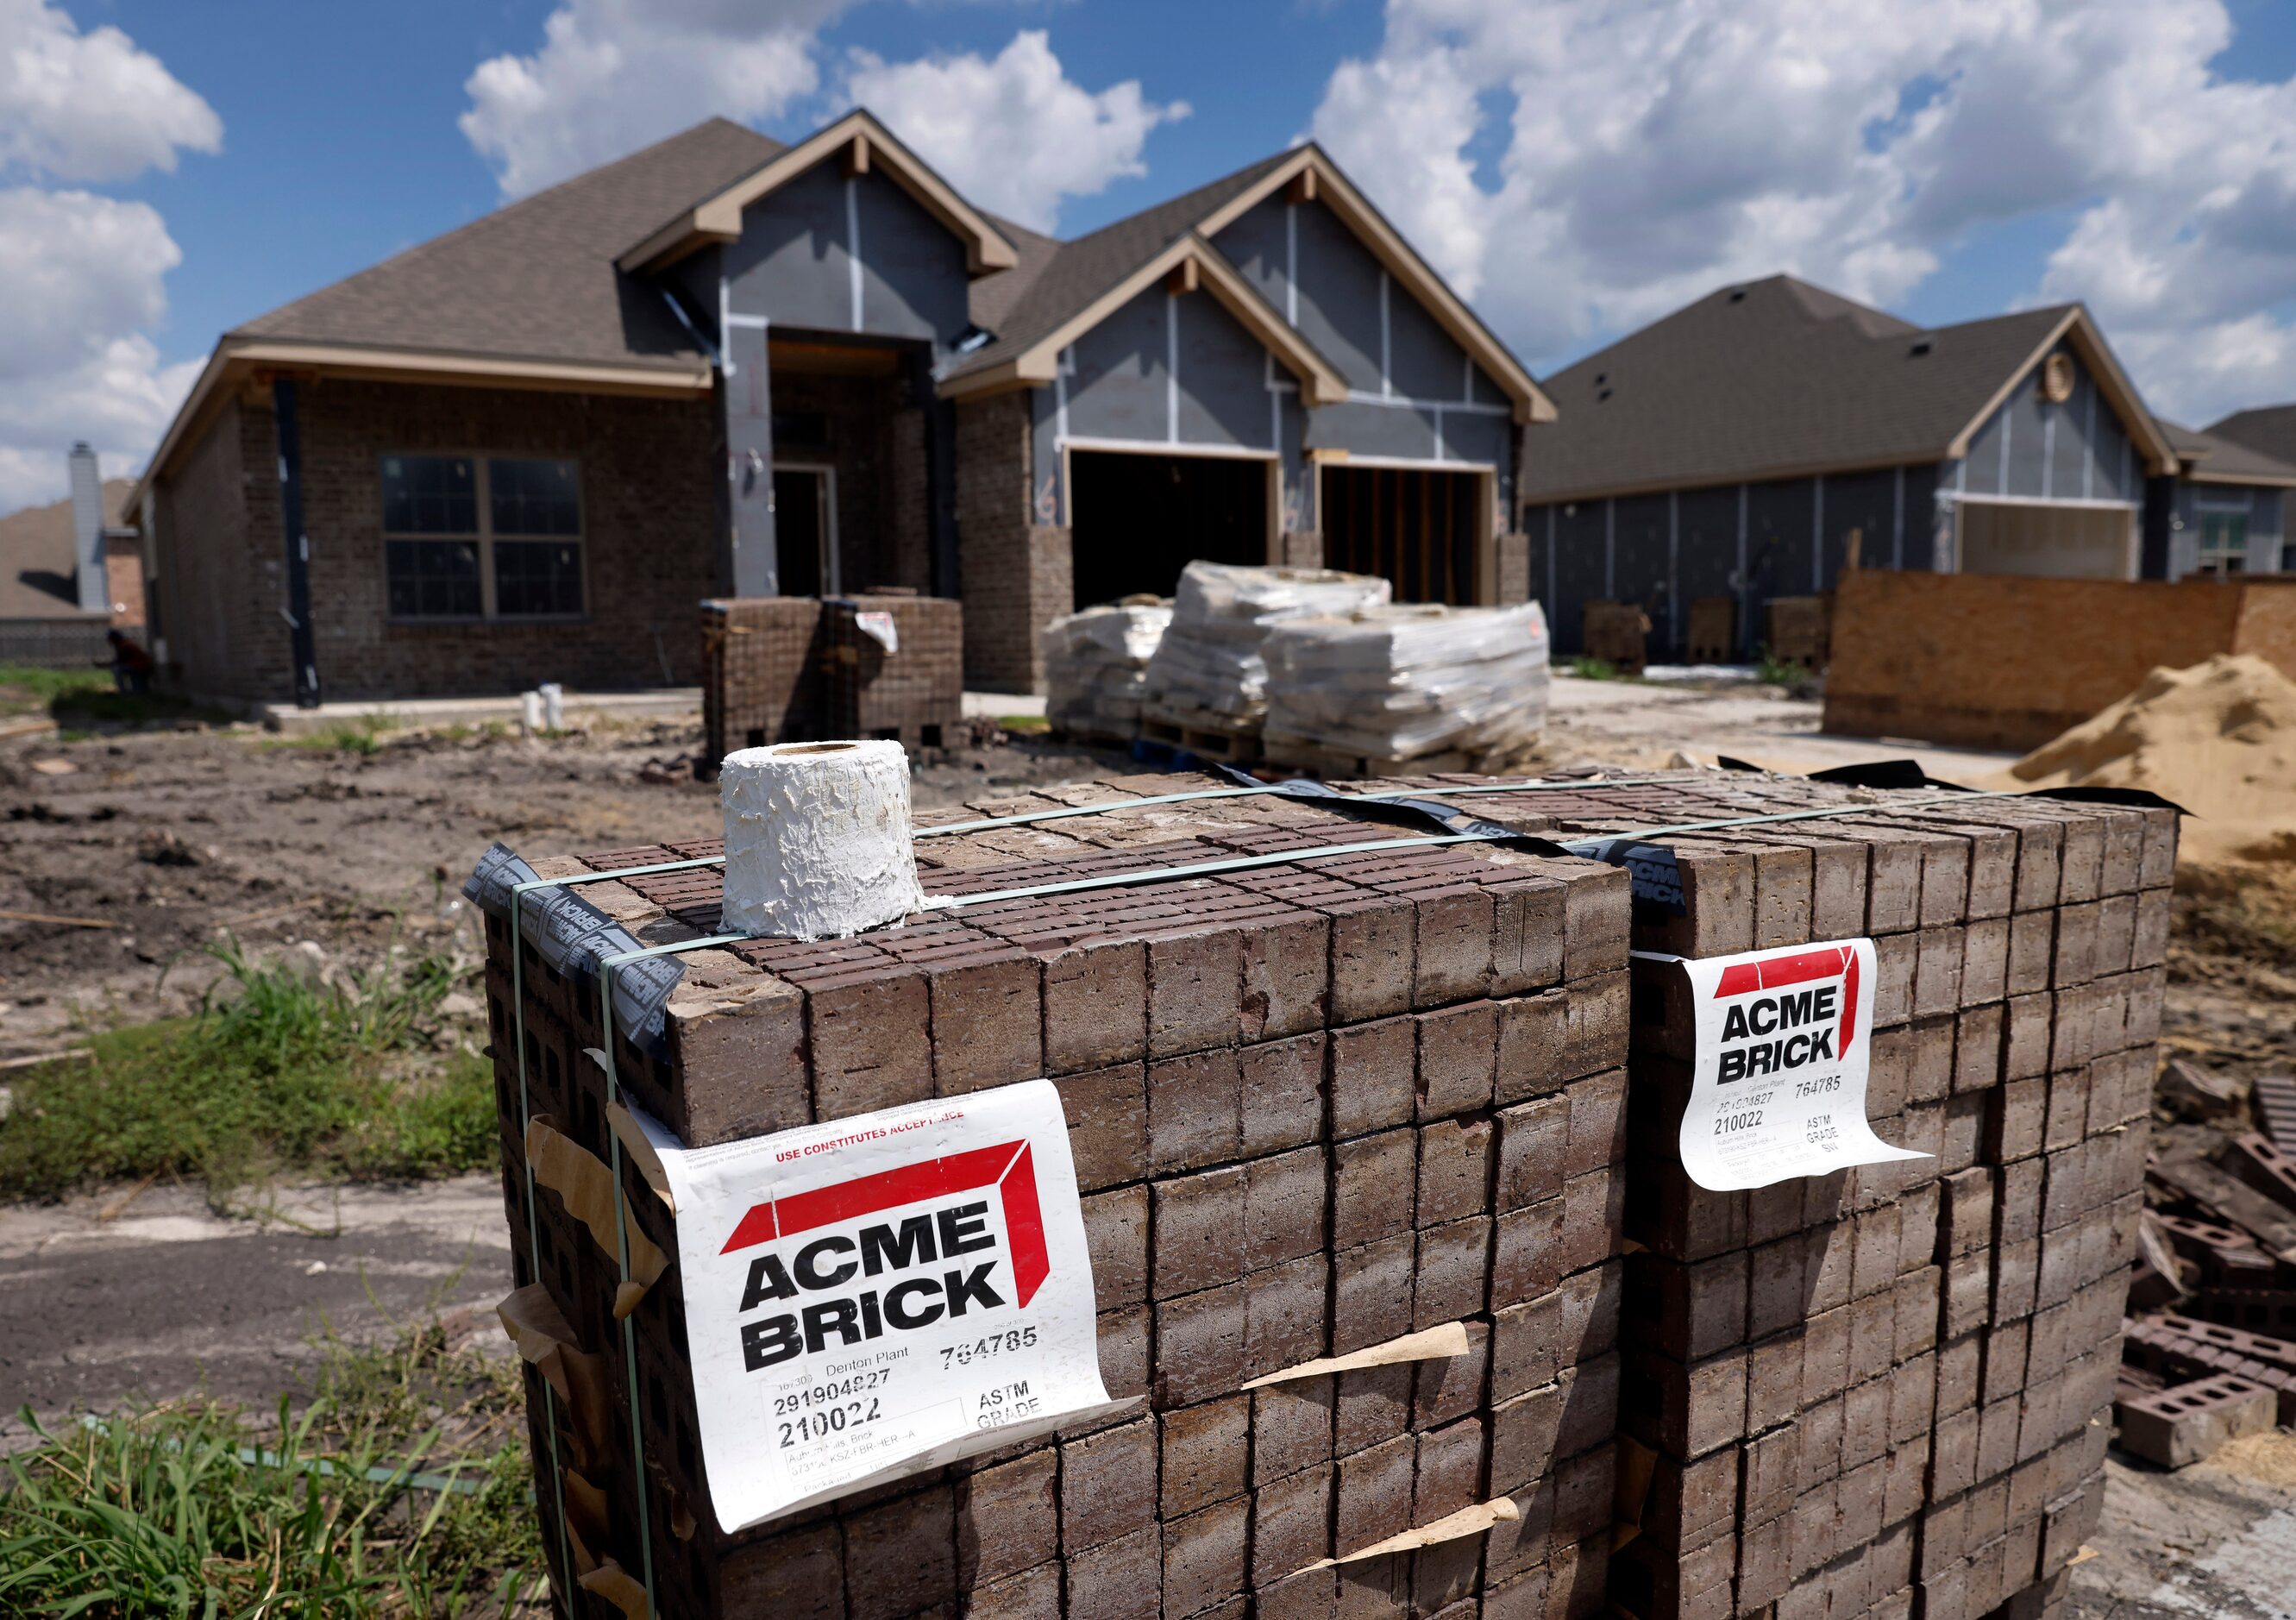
805 530
1416 529
1137 520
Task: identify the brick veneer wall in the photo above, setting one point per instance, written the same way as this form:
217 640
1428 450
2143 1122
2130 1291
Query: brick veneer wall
217 585
123 582
650 523
1018 576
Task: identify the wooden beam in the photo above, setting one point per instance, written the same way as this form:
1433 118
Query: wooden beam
1182 277
856 156
1302 188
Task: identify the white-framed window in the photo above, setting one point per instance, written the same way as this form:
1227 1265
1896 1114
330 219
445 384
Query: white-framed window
2223 539
481 537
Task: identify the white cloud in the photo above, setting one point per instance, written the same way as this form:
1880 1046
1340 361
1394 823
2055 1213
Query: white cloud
90 107
1651 150
83 276
1012 132
614 74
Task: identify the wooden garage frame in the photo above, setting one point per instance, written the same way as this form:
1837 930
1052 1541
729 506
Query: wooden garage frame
1483 589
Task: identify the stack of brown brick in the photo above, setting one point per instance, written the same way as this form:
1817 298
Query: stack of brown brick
799 669
1888 1391
914 695
1314 1108
760 672
1318 1105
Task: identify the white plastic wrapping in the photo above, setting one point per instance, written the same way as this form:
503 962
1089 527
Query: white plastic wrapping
817 839
1097 664
1400 682
1210 657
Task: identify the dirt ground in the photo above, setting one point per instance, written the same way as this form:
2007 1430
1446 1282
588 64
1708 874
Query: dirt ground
172 839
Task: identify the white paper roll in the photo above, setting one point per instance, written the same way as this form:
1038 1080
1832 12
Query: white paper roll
817 839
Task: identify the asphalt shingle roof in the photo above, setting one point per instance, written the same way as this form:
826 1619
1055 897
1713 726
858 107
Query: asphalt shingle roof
537 280
1770 379
2268 431
38 556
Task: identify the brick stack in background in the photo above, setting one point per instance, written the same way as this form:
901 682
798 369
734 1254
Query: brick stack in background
1313 1108
798 668
914 695
760 672
1888 1391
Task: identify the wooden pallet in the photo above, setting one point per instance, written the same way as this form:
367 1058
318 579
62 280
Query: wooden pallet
1200 732
1092 736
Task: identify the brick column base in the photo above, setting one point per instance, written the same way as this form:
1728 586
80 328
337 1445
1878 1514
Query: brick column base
1300 548
1514 567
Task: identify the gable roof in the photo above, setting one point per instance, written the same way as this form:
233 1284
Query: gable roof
2268 430
1075 286
1781 379
540 293
866 144
1034 358
2210 459
39 556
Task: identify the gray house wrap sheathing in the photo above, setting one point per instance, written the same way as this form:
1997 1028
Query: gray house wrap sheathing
726 366
1736 447
2225 513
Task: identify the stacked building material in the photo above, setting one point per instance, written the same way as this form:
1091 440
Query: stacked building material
1417 687
1888 1391
1208 680
798 668
760 672
1315 1105
895 669
1096 667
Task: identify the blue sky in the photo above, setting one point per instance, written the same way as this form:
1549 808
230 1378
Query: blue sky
1578 167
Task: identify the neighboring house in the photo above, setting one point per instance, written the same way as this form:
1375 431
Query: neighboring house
70 571
526 449
1740 447
2223 514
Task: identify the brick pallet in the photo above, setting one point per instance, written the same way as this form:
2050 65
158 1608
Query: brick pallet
1317 1105
799 669
1314 1108
1888 1391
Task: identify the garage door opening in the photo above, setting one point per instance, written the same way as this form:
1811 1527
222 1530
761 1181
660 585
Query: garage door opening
1138 520
1418 530
2054 541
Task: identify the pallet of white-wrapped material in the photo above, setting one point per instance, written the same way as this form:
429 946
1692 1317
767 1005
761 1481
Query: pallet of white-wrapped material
1096 667
1209 661
1417 686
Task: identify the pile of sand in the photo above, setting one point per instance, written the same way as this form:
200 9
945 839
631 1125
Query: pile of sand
2218 738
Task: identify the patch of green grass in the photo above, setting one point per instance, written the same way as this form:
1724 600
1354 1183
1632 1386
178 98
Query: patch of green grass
1593 668
361 735
276 1072
37 686
1025 725
194 1507
1772 672
80 701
